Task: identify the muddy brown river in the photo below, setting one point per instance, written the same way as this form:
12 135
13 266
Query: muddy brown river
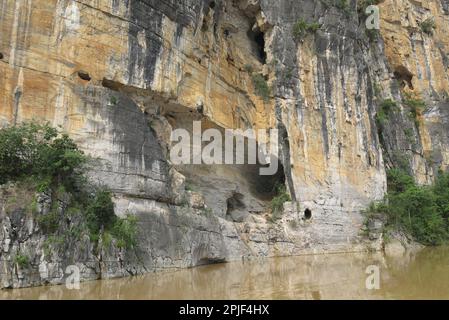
421 275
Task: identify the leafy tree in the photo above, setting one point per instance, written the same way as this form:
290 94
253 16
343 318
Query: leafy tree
422 211
40 151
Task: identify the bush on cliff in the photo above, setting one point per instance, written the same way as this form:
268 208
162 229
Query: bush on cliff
43 158
277 203
428 26
421 211
39 151
261 86
301 28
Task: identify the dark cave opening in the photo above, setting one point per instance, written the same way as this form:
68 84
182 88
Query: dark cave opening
112 85
1 56
404 76
266 186
235 202
84 75
307 214
258 39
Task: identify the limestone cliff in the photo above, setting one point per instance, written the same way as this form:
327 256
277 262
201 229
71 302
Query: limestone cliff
119 75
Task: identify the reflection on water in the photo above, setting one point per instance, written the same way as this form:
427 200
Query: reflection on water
423 275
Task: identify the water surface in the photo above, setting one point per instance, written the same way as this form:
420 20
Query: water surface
422 275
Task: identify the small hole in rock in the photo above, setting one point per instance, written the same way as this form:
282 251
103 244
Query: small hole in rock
84 75
212 5
308 214
1 56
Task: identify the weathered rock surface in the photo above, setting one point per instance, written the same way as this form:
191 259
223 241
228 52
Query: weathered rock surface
119 75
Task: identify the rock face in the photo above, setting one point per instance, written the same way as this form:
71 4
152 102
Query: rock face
118 76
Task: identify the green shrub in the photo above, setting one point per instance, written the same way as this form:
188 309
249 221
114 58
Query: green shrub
113 100
417 106
428 26
100 213
301 28
102 221
415 210
410 135
387 107
48 161
22 260
277 203
49 222
261 86
399 181
125 232
189 186
342 4
32 207
422 211
40 151
372 34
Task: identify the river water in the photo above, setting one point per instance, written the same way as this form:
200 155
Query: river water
421 275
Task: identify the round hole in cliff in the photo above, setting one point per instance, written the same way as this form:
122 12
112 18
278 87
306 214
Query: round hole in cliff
84 75
307 214
212 4
1 56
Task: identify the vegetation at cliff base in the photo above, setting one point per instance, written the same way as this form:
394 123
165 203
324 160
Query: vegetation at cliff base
277 203
22 260
40 157
421 211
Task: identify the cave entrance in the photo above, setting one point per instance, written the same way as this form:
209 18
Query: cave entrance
257 38
404 76
267 187
84 75
235 202
236 207
307 214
